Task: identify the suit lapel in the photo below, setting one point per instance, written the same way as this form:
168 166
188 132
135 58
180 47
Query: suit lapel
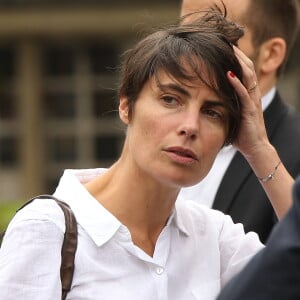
273 114
236 173
239 169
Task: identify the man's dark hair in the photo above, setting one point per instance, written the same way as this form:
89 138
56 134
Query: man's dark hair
203 45
273 18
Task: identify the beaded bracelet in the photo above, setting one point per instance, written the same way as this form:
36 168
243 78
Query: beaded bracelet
270 176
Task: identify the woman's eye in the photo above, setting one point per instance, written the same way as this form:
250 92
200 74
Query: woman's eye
170 100
214 114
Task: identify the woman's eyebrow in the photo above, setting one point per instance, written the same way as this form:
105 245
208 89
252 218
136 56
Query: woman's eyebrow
181 90
175 87
211 102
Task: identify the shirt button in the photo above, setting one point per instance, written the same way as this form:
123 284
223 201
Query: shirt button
159 270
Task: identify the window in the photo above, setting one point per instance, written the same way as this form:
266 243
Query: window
103 58
104 104
59 61
77 89
8 151
62 149
59 105
7 72
7 104
106 147
7 62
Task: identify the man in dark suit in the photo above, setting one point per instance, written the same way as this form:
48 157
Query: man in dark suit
273 273
270 30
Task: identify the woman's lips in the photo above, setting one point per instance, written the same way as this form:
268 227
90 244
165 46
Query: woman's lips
181 155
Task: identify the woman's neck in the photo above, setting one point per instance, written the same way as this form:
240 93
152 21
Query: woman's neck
140 203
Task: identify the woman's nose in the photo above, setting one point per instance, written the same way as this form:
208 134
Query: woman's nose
190 126
188 132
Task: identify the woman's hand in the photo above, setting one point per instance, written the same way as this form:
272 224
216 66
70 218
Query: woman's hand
252 140
252 135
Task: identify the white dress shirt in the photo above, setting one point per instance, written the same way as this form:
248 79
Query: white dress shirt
197 252
204 192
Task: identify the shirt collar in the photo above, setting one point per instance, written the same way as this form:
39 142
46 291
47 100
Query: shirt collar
267 98
97 221
179 219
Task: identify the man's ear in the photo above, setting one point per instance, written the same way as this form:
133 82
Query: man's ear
272 54
124 110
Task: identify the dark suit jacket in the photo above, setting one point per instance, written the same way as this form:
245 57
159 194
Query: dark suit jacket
240 194
274 273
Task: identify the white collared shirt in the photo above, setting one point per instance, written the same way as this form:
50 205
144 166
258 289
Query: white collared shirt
197 252
205 191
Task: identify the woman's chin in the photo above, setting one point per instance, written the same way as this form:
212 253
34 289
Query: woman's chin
186 182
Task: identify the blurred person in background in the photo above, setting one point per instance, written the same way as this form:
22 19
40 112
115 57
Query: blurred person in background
184 92
273 273
231 186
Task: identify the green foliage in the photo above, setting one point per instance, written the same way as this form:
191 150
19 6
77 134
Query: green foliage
7 211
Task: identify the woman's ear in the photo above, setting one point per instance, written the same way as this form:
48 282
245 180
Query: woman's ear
272 54
124 110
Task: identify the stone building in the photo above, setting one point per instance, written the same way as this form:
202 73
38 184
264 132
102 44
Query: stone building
57 77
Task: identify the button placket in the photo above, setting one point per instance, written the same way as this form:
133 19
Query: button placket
159 270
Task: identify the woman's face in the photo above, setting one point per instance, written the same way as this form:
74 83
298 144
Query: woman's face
176 130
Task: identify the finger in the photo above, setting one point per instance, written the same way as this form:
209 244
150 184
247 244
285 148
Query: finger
237 85
249 75
241 55
250 100
252 88
247 66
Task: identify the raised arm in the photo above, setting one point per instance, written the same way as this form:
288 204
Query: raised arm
252 140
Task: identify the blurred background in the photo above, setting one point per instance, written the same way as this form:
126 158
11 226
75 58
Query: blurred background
58 77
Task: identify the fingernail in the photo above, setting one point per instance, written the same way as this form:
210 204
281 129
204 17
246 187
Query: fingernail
231 74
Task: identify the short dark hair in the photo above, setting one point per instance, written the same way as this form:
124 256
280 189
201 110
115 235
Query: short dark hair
273 18
208 40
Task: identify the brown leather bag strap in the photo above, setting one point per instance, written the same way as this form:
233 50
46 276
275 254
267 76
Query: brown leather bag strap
69 245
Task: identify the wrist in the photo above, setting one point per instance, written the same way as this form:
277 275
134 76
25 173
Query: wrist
270 176
264 162
260 152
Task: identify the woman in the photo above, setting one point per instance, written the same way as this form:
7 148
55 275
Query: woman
184 93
